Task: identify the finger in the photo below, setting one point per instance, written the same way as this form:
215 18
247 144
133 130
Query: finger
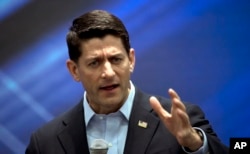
177 104
183 117
155 104
173 94
176 101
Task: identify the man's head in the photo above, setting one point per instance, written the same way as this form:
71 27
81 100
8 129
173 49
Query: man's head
101 59
96 23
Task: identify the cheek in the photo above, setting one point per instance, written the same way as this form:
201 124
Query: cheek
125 73
88 78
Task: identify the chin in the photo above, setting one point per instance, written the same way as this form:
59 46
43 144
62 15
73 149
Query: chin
114 102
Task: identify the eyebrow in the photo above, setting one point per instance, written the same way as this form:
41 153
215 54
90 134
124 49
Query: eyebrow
92 57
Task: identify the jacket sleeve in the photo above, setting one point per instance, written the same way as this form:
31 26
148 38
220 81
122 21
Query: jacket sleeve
197 119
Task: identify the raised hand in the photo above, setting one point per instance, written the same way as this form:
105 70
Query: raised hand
177 122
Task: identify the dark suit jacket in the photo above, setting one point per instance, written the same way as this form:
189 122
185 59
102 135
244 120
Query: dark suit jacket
67 133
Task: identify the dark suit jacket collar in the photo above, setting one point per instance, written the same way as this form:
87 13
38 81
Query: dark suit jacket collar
73 132
73 136
138 138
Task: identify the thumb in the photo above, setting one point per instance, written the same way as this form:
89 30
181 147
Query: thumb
157 107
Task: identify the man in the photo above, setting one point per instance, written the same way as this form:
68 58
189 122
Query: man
115 110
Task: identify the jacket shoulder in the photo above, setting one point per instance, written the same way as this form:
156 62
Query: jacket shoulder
53 127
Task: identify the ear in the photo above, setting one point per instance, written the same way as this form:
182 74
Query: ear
73 69
132 59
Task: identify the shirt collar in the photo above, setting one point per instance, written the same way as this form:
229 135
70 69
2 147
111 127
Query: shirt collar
125 109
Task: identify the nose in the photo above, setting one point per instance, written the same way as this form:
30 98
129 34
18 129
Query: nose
108 70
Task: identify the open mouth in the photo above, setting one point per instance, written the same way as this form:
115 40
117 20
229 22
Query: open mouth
109 87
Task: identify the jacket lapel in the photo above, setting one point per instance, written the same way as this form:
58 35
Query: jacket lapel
72 135
142 125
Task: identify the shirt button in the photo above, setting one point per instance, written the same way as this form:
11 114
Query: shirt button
101 117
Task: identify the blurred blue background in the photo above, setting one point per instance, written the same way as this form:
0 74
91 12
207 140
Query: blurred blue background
199 47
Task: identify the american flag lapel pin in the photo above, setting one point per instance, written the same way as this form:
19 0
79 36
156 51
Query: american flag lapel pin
142 124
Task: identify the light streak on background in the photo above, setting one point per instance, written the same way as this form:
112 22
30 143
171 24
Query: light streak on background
8 7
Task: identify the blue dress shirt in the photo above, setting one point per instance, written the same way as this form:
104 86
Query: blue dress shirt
113 127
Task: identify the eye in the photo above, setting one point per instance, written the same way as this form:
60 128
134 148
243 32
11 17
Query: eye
94 63
116 60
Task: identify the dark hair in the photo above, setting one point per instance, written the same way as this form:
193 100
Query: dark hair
92 24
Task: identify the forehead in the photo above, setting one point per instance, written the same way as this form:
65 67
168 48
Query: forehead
106 45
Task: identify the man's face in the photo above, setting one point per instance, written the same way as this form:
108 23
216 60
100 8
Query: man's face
104 70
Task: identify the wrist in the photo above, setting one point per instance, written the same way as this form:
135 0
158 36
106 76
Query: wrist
197 141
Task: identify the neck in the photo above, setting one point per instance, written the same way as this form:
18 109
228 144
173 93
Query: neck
105 109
